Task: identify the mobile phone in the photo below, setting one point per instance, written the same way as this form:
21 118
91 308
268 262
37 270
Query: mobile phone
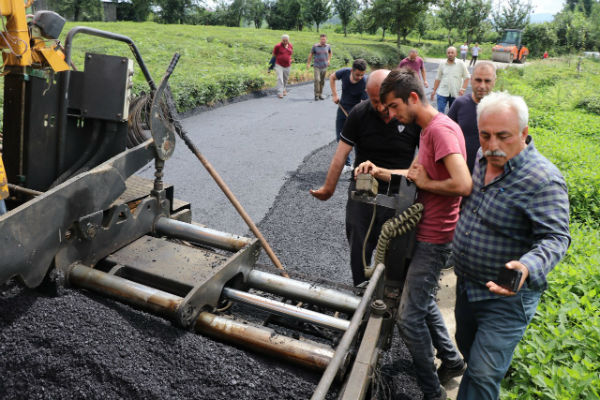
509 279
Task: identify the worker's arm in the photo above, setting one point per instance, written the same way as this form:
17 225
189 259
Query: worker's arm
435 88
464 87
334 95
335 170
309 59
424 74
384 174
459 183
329 56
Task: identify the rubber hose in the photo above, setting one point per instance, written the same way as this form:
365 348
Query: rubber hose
393 227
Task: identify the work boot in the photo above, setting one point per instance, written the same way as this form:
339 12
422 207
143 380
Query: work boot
446 372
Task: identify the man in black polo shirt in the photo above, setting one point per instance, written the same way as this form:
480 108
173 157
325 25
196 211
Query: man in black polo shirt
353 92
374 136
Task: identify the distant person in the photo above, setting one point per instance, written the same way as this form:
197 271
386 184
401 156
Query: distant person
354 84
545 55
464 49
322 54
517 219
283 60
451 81
374 136
440 173
474 54
3 188
416 63
464 109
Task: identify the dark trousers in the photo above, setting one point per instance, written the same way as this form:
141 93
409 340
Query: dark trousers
473 60
340 120
358 218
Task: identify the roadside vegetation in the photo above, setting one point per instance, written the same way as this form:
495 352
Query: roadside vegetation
559 357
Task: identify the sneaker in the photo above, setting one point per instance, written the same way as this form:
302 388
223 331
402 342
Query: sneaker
285 92
280 96
445 373
316 98
347 169
321 97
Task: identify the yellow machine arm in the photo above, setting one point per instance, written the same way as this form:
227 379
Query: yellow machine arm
20 47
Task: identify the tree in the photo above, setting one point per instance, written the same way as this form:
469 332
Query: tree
78 10
172 11
584 6
450 12
345 10
255 12
475 12
405 15
571 30
317 11
235 12
513 15
539 38
284 14
380 16
421 26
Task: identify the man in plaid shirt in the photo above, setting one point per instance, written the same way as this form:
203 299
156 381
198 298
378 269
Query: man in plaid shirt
517 217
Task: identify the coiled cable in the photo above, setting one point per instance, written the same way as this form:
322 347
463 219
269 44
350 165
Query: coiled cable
393 227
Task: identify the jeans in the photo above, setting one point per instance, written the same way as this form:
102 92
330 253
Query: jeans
419 318
320 74
473 61
282 78
2 207
340 120
487 333
442 101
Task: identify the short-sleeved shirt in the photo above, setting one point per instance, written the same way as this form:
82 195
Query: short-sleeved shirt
283 55
523 214
451 77
390 145
352 93
320 55
464 113
475 51
463 49
440 138
416 65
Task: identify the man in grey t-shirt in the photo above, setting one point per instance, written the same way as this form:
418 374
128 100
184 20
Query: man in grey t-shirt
322 56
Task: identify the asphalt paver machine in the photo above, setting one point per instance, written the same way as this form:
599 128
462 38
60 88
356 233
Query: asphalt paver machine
78 216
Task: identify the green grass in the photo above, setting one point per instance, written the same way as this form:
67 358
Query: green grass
218 62
559 356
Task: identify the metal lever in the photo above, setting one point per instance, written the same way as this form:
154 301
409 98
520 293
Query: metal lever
161 128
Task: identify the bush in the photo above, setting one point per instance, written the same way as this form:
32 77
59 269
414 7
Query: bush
590 104
558 356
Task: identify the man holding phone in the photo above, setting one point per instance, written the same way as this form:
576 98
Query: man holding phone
513 227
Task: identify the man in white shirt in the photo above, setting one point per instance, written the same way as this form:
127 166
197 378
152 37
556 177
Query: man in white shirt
463 51
451 81
474 54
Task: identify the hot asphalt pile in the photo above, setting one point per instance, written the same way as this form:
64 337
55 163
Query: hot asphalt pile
76 345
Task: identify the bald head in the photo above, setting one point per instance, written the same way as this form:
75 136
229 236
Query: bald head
373 85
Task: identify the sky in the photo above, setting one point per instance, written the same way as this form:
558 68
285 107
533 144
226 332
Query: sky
547 6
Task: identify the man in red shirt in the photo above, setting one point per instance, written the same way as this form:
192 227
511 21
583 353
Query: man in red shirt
416 63
283 59
442 176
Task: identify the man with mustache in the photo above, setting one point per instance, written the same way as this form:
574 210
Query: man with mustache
464 109
516 219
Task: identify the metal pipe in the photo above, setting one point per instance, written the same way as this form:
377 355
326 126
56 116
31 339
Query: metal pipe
25 190
125 290
280 308
311 355
291 288
199 234
348 337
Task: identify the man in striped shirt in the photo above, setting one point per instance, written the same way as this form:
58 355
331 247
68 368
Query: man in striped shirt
516 218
